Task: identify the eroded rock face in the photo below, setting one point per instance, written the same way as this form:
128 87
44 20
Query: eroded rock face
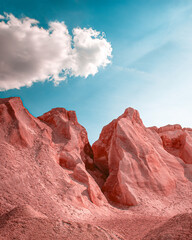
70 136
177 141
74 150
135 160
43 160
18 127
51 156
50 178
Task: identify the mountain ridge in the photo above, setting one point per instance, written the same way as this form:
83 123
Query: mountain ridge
48 164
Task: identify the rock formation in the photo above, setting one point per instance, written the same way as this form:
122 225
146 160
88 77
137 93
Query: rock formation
177 141
44 160
141 161
53 183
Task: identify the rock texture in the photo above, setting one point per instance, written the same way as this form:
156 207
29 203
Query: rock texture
70 137
73 149
44 161
137 160
54 185
177 141
176 228
25 223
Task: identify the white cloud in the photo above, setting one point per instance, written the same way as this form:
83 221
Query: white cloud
29 53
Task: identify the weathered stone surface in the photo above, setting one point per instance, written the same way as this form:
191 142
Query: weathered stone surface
177 227
135 160
177 141
50 178
70 136
38 157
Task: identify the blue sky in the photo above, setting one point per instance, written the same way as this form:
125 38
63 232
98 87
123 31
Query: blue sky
151 67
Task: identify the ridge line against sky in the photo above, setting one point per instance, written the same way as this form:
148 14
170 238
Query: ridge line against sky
150 69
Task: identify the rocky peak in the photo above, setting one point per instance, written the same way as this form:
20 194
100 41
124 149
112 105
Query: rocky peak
56 115
133 115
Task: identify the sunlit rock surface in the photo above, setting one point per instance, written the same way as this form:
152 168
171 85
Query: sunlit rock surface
140 161
39 160
177 141
54 185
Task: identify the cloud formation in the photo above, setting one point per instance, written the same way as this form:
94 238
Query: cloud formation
29 53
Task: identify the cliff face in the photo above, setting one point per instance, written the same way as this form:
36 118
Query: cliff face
177 141
44 161
51 179
141 162
49 163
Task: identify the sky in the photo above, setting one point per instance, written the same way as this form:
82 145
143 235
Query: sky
98 58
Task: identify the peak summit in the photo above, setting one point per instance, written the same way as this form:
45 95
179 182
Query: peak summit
14 99
133 115
57 114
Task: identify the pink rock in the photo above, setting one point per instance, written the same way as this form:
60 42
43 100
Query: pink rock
177 141
75 152
177 227
47 163
38 157
135 160
173 141
186 151
17 125
169 128
94 191
70 136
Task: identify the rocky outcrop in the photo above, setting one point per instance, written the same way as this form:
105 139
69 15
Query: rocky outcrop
18 126
129 162
43 160
70 136
51 179
136 160
177 141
